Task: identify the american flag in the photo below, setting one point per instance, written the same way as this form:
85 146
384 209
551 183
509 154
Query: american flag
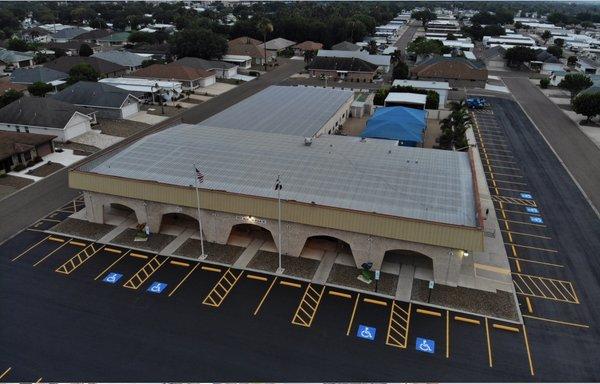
199 175
278 185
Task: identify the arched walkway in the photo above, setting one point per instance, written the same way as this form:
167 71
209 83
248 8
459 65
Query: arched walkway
116 213
243 234
394 260
324 244
176 222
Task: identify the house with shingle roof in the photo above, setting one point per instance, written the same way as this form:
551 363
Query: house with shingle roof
108 101
342 68
307 45
221 69
277 45
114 39
21 148
457 71
247 46
14 59
32 75
46 116
92 36
103 67
190 78
131 60
345 46
67 34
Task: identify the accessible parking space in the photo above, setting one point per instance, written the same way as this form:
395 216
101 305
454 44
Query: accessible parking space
197 283
372 313
126 267
169 275
100 261
428 324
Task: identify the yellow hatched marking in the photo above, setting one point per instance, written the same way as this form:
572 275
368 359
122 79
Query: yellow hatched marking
428 312
505 328
514 200
179 263
340 294
81 257
376 302
256 277
398 326
225 283
30 248
557 290
290 284
145 272
307 309
467 320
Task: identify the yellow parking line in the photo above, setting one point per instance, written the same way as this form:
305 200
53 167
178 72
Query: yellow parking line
489 345
77 243
529 307
112 250
557 321
50 254
179 263
30 248
528 351
353 313
57 239
138 255
52 220
262 300
376 302
39 380
428 312
210 269
447 334
256 277
5 372
524 223
290 284
529 247
467 320
184 279
536 262
526 234
506 174
505 328
340 294
110 266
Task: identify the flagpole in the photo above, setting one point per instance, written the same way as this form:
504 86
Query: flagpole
203 255
278 187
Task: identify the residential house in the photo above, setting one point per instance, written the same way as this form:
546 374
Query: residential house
117 39
103 67
13 59
107 100
442 88
6 86
493 57
132 61
20 149
342 68
383 62
221 69
91 37
67 34
36 34
457 71
278 45
71 47
587 66
28 76
146 90
46 116
241 61
190 78
152 51
247 46
346 46
310 46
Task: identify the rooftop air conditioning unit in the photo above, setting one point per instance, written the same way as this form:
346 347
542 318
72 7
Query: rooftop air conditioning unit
308 141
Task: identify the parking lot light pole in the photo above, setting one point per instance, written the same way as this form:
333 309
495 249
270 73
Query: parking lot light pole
278 188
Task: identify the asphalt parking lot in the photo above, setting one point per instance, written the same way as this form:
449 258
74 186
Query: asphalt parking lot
149 316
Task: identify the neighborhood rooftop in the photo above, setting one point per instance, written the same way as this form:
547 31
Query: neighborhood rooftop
300 111
423 184
40 112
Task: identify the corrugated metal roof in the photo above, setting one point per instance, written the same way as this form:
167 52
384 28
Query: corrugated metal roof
335 171
300 111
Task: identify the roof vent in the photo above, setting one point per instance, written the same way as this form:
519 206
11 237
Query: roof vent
308 141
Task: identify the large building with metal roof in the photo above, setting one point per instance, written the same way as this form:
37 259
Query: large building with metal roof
299 111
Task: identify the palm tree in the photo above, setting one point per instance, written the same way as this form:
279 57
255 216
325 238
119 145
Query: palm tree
265 27
455 125
372 47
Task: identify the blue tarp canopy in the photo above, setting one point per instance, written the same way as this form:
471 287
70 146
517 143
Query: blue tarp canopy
397 123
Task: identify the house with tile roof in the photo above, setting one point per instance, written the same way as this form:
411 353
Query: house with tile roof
307 45
190 78
221 69
247 46
342 68
457 71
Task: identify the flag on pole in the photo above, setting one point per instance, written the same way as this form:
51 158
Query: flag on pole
199 175
278 185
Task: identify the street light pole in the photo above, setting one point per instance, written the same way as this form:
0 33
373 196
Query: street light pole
278 188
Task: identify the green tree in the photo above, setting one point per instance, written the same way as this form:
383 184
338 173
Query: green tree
372 47
546 35
575 83
518 25
544 82
516 56
454 127
39 88
15 44
555 50
140 37
588 105
559 42
265 27
85 50
424 16
423 46
9 96
571 61
400 71
82 72
198 42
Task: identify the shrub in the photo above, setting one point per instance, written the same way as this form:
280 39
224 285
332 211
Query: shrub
544 82
19 167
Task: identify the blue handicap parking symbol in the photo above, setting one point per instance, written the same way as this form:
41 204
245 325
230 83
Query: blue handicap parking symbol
536 219
112 278
526 196
425 345
365 332
157 287
532 210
